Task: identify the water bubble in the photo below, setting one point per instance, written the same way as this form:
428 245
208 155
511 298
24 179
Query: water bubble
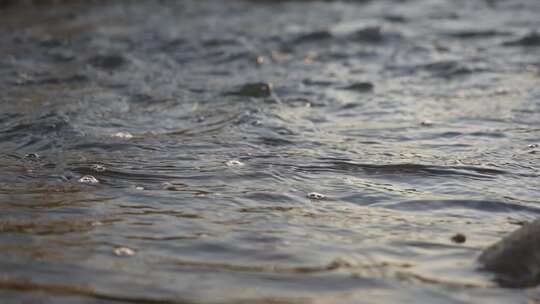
426 123
123 135
88 179
502 91
32 156
316 196
124 252
234 163
200 119
98 168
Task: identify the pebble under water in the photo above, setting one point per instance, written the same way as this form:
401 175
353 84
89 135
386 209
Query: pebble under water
265 151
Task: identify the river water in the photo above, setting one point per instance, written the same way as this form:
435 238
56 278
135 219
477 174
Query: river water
265 151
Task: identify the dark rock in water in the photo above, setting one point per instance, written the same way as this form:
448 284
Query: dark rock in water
515 260
459 238
362 87
312 82
532 39
108 62
257 90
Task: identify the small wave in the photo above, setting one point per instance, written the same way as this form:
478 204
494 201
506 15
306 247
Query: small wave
449 69
68 80
476 34
479 205
403 169
134 176
531 39
310 37
44 132
108 62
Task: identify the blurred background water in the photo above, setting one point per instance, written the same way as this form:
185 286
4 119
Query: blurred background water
265 151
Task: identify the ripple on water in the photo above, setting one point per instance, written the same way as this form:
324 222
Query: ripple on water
477 205
256 90
98 168
108 62
122 134
529 40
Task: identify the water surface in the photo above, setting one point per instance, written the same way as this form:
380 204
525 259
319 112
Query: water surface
265 151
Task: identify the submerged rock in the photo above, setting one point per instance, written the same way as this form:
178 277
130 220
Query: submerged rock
459 238
515 260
